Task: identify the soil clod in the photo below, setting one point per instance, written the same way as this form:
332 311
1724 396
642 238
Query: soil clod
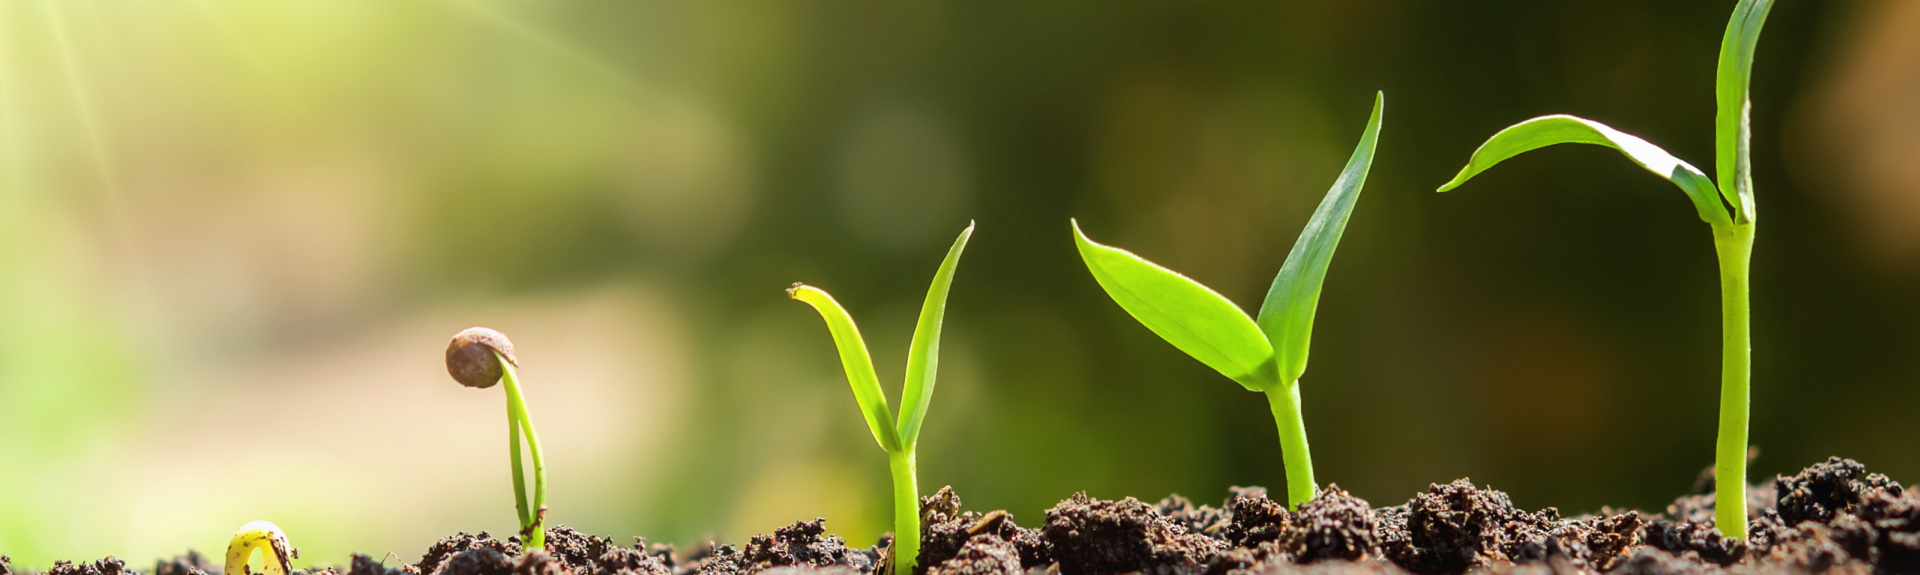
947 531
1255 519
359 564
1096 536
1820 492
1333 525
804 544
1455 527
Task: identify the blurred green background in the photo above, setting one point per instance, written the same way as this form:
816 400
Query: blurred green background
234 237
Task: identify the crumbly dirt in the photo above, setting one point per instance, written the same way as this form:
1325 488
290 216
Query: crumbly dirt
1832 517
956 542
1096 536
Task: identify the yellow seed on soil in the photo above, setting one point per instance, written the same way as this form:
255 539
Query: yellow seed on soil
269 540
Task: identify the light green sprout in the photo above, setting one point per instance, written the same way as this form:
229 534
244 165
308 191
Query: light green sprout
899 438
1267 354
479 357
1727 208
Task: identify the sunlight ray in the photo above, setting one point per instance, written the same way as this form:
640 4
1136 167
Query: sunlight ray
120 232
84 105
12 155
581 57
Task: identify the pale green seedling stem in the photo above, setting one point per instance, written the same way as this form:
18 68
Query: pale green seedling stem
1733 244
1285 401
531 518
906 510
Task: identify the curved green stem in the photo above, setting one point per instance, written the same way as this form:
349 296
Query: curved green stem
532 530
519 476
906 512
1285 401
1733 243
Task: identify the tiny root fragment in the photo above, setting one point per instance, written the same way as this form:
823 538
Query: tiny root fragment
991 521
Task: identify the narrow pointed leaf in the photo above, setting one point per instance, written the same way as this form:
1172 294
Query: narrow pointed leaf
1731 129
854 359
1549 130
923 358
1287 314
1187 314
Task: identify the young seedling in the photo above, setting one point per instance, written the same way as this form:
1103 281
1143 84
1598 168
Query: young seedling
1268 354
479 357
1727 208
266 538
923 360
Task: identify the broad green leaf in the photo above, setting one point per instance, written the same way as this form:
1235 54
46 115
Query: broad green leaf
923 358
1731 130
853 358
1193 318
1549 130
1287 314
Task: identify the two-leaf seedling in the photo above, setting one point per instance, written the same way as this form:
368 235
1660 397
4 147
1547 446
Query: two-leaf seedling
1267 354
1727 208
479 357
898 436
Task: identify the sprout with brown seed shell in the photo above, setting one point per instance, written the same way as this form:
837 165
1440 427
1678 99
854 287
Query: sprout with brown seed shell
479 357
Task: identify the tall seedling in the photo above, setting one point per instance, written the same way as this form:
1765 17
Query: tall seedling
923 360
1268 354
1727 208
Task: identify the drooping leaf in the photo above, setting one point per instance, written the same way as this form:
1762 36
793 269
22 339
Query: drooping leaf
1731 129
1549 130
1287 314
857 363
923 358
1187 314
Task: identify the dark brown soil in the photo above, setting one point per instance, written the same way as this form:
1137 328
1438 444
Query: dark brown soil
1832 517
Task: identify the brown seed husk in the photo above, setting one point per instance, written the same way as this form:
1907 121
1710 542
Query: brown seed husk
470 356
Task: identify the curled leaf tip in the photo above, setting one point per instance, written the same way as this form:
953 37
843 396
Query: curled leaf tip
474 356
793 291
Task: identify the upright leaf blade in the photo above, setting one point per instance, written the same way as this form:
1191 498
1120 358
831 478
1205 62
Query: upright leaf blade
1731 130
1287 314
1188 315
855 360
923 358
1549 130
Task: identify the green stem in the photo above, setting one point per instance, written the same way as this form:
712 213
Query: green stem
531 520
519 476
1733 243
1285 400
906 512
